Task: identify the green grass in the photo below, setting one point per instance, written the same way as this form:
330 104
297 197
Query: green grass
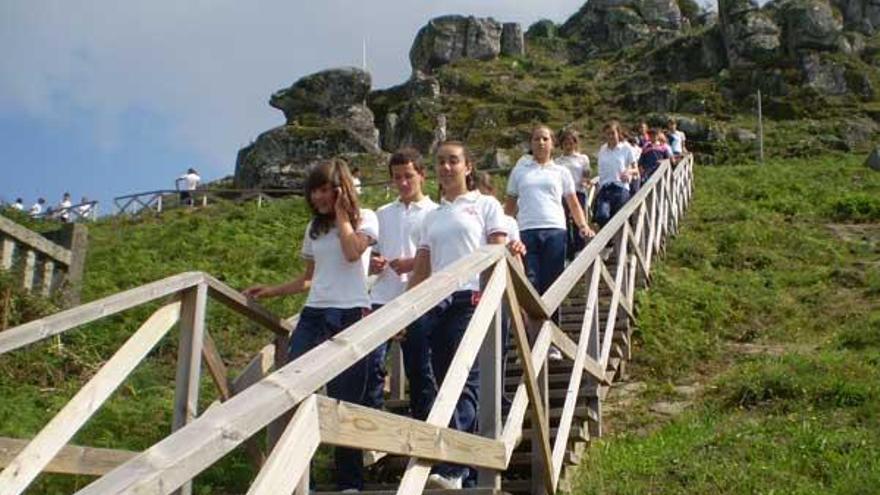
783 255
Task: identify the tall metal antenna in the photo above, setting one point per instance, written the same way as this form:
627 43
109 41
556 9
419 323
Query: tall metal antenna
364 65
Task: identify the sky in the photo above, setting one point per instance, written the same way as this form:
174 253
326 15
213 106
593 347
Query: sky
103 98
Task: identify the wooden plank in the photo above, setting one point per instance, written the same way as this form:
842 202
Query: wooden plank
610 282
7 251
234 300
48 275
639 254
22 470
560 289
398 377
258 367
71 459
512 432
189 363
37 330
216 367
417 470
616 295
580 362
28 269
206 440
541 471
526 292
491 390
34 241
530 376
292 455
569 350
351 425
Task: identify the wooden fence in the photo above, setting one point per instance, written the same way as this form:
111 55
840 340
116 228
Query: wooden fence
163 199
627 244
45 264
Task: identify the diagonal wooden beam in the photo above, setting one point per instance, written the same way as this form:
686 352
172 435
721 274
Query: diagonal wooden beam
291 457
643 264
417 471
616 295
580 361
512 432
539 417
568 348
247 307
71 459
611 283
61 428
531 301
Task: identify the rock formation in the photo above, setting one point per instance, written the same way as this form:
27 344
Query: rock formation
750 35
614 24
453 37
326 117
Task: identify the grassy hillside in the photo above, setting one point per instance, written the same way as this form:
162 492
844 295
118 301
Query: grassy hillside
769 302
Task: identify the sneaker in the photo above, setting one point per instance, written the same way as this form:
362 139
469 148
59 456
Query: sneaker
554 354
372 457
444 483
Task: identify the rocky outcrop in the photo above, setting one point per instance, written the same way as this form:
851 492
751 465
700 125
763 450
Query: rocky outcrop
614 24
545 28
860 15
809 25
750 36
326 117
873 160
454 37
690 57
512 39
826 77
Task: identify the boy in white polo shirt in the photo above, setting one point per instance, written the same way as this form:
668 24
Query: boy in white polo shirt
394 256
615 173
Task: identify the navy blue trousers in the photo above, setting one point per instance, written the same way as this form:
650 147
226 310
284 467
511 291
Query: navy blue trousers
609 201
315 326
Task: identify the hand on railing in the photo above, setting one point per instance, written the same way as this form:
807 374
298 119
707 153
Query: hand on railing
259 291
516 248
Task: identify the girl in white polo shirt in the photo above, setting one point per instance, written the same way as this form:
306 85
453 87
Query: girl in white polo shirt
616 170
535 191
578 164
464 221
335 250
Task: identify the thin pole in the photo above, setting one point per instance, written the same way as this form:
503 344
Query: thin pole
364 59
760 131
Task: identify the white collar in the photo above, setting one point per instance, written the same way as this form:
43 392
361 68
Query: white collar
470 197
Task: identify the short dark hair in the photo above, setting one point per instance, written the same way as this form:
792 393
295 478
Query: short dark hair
404 156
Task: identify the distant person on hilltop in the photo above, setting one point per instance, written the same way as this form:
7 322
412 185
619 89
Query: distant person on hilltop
37 208
676 139
18 205
85 209
64 208
191 181
336 254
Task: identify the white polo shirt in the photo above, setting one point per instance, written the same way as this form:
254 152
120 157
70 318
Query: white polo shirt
677 144
538 190
579 166
459 228
191 181
399 229
613 162
36 209
337 282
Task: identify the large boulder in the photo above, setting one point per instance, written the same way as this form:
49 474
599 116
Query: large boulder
614 24
810 25
326 117
453 37
689 57
750 36
825 76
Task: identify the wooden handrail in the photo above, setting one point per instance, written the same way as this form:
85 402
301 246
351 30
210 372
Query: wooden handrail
35 241
635 235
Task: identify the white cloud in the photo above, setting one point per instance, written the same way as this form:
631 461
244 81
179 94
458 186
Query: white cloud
205 67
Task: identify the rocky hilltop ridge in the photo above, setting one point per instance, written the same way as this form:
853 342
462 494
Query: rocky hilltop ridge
816 61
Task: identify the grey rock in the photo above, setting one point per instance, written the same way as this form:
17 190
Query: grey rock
421 85
418 123
858 133
614 24
750 36
810 25
512 40
862 15
689 57
497 158
826 77
323 93
280 157
873 160
743 135
454 37
669 408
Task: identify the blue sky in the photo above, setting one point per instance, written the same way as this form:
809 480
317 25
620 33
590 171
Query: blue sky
103 98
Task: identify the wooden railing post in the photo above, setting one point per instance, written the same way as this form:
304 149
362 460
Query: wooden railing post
28 269
276 428
398 381
189 360
594 350
539 467
77 241
7 251
491 388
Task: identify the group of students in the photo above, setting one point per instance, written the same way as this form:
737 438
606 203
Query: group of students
62 211
407 240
